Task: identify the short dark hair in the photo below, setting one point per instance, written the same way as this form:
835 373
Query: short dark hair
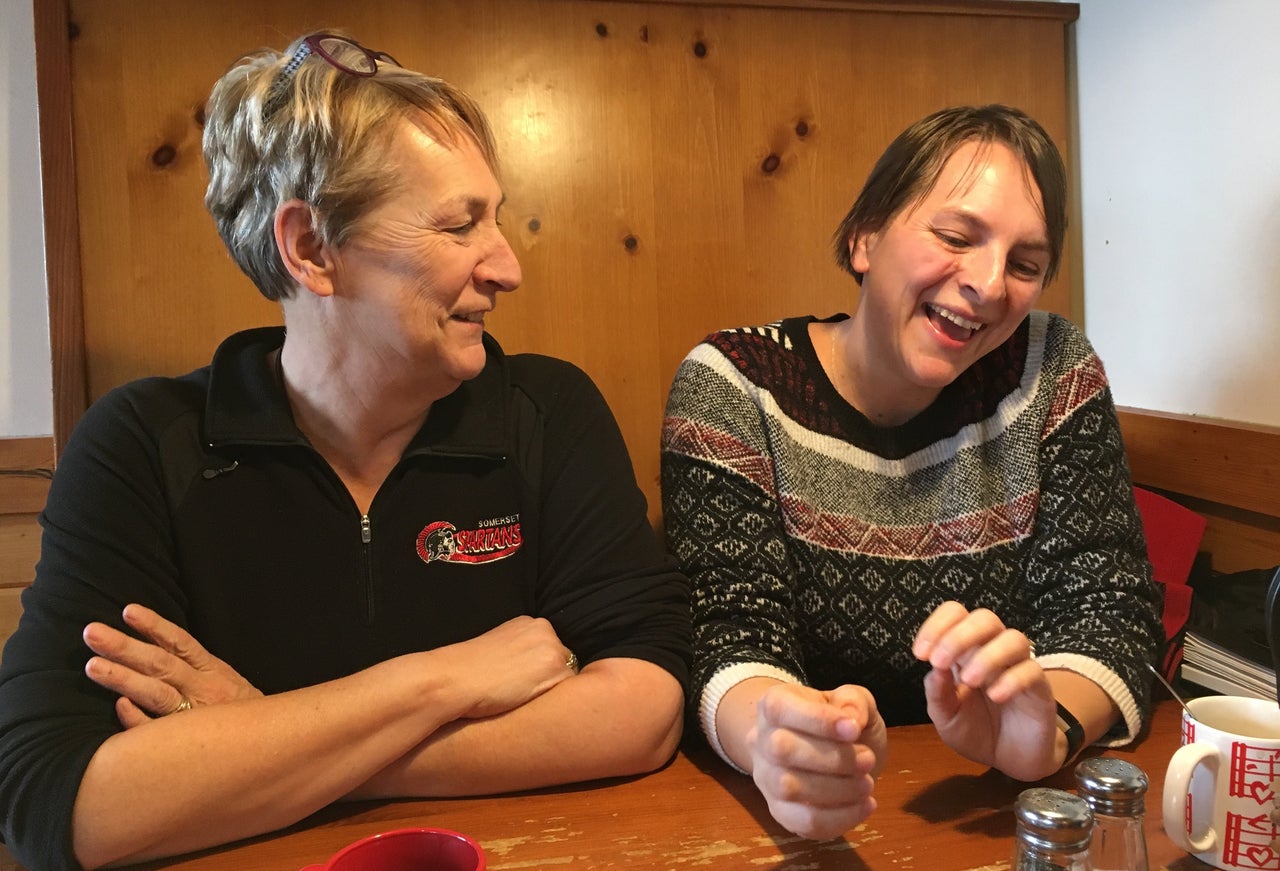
910 166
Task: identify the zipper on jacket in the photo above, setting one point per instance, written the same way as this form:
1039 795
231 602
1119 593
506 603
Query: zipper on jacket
366 558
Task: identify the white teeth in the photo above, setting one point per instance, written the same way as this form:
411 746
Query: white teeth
955 318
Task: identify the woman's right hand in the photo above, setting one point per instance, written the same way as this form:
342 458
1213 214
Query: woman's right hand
509 665
164 668
815 756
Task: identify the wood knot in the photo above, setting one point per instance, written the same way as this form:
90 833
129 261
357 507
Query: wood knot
644 33
700 49
73 30
164 155
802 128
602 29
534 225
771 164
631 243
199 115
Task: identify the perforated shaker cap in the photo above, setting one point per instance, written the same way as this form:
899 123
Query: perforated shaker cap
1053 819
1114 787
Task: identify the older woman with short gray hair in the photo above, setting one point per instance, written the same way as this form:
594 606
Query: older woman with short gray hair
364 555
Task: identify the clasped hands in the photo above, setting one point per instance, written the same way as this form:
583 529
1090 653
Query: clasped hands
166 670
815 754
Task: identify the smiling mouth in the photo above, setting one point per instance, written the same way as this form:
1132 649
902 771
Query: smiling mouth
472 318
950 324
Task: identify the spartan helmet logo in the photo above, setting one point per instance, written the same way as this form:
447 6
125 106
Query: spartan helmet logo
440 544
489 540
437 541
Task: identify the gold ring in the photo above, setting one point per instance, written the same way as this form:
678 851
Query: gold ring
184 705
572 662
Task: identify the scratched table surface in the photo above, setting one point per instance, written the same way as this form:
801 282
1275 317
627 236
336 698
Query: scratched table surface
937 812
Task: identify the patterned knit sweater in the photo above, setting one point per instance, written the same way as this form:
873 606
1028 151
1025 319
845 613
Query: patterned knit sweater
817 542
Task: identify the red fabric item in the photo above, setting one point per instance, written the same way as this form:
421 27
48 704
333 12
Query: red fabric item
1173 538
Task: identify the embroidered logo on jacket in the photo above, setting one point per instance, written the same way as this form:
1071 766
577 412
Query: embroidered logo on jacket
491 540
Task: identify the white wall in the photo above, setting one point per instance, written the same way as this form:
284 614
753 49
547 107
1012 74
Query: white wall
1179 163
1179 149
26 404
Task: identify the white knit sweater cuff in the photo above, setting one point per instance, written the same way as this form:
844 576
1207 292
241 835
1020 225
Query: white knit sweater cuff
1110 683
721 682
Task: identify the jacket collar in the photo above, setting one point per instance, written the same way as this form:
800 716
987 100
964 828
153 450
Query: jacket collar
247 405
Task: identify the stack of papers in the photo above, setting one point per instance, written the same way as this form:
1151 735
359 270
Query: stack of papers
1216 668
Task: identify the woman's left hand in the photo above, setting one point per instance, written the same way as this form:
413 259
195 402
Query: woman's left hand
155 676
988 698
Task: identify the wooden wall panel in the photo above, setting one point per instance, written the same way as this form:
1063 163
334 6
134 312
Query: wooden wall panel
10 611
670 168
26 465
61 217
19 550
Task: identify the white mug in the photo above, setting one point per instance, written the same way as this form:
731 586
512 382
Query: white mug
1222 790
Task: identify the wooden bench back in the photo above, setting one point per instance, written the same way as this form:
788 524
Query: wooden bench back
1227 472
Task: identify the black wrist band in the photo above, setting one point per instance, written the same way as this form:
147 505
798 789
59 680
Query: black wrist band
1070 726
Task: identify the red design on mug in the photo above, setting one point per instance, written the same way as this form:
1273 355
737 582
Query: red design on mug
1253 770
1248 842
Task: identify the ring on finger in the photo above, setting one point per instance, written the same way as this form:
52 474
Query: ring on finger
572 662
184 705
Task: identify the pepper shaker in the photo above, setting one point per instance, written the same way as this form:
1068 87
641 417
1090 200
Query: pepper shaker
1054 828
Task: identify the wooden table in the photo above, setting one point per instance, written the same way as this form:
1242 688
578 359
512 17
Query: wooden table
937 812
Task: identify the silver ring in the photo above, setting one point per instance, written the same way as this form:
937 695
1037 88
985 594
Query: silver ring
572 662
184 705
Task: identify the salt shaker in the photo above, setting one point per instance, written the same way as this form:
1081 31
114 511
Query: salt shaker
1053 831
1115 790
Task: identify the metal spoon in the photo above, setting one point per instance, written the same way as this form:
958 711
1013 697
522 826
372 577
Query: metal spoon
1170 688
1272 616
